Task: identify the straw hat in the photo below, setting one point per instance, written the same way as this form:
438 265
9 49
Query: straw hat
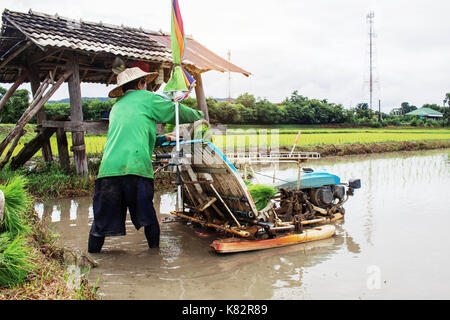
129 75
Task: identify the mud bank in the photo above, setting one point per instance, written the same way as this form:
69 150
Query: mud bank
368 148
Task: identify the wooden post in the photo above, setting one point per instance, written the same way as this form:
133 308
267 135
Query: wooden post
40 115
200 94
63 149
31 147
76 114
11 149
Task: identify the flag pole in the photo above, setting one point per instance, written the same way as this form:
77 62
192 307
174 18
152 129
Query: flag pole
178 157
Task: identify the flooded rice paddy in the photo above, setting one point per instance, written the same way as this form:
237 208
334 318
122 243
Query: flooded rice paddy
393 244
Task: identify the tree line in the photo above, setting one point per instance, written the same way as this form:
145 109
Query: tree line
298 109
246 109
93 109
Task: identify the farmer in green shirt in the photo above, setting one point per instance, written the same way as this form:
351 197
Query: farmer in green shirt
125 179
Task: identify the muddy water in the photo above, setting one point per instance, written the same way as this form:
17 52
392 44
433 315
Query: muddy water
393 244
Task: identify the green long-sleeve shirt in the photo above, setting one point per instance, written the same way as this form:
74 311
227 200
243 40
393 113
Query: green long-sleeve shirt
132 132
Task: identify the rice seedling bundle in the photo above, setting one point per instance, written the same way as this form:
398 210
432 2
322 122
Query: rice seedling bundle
15 255
261 194
202 131
16 202
15 262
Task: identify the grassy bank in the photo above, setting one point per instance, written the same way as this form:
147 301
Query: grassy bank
32 267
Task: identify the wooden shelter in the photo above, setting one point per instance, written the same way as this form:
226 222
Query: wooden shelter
48 50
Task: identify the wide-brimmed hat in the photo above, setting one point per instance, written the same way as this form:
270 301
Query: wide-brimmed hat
129 75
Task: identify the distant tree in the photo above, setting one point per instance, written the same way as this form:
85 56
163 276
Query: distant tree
363 111
246 99
54 109
337 113
297 98
225 112
15 106
94 109
406 107
362 106
268 113
247 115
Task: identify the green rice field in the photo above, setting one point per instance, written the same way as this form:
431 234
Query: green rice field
311 137
271 135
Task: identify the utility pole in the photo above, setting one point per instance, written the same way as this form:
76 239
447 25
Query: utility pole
380 118
370 17
229 78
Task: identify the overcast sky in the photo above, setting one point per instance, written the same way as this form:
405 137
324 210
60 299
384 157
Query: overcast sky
320 48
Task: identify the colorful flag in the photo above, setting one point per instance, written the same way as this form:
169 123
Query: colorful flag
181 82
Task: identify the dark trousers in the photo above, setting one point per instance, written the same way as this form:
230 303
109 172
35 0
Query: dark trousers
113 196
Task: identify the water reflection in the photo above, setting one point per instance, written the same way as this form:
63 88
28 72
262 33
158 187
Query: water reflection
397 221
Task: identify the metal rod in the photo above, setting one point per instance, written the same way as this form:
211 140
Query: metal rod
241 233
223 202
298 179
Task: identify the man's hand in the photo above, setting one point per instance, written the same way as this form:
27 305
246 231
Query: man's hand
172 137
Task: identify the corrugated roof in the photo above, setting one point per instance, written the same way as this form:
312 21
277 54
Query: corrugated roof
52 31
427 112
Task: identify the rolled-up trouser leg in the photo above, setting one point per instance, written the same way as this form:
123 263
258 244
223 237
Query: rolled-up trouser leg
152 235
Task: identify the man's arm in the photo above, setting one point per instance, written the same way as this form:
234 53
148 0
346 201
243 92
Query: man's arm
164 111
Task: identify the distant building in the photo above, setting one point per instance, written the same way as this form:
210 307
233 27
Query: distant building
396 112
426 113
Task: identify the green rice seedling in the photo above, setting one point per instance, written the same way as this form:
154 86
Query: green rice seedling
15 260
261 194
202 132
5 240
16 203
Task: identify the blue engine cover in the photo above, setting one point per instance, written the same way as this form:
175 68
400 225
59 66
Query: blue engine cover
312 180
